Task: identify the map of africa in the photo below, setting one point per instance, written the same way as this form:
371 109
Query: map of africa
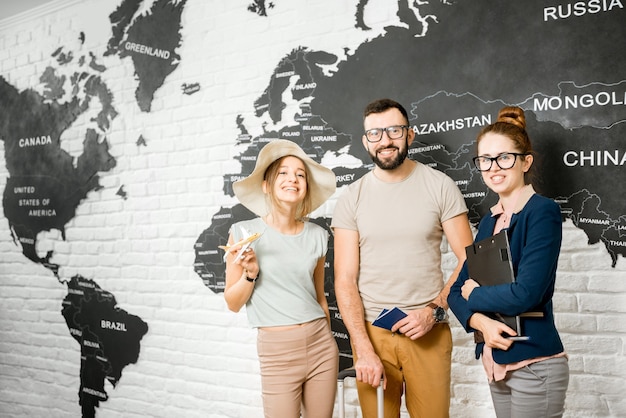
561 63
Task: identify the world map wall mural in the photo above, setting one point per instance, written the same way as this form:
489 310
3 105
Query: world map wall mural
454 75
452 64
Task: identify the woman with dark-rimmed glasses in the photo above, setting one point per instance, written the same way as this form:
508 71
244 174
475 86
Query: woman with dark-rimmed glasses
528 377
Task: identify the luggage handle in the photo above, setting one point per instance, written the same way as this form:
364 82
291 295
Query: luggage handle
380 394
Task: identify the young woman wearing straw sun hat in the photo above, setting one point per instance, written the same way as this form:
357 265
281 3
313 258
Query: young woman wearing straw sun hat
280 279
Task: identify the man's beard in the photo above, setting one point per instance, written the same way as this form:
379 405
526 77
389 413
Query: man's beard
392 164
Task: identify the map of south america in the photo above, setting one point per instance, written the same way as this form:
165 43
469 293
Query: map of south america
100 328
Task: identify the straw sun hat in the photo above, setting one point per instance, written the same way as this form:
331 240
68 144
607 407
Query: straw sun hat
321 182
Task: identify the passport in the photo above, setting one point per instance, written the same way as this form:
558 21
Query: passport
388 317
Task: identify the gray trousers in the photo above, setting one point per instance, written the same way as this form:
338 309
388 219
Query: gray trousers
535 391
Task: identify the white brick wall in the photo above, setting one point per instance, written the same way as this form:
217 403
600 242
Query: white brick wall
198 359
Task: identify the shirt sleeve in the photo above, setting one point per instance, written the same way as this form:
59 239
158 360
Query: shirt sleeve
453 202
345 209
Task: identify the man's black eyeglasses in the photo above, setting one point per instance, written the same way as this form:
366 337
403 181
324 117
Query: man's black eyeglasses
505 161
393 132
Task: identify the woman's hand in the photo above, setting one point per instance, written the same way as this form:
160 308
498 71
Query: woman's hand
468 287
247 261
492 331
239 265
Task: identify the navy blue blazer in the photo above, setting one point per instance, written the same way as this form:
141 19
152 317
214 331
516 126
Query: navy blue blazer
535 235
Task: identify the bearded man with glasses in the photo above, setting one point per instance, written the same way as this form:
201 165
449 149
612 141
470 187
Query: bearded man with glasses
388 229
374 135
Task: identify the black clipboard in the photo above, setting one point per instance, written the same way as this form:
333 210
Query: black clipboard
489 263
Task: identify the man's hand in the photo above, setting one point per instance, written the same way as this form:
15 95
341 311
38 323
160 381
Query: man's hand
370 370
416 324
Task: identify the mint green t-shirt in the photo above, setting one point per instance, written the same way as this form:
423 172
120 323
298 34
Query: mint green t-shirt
284 293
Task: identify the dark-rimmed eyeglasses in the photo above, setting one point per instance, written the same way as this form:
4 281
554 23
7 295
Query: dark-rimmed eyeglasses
393 132
505 161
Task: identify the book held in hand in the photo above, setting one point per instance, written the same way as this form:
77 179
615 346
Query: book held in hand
388 317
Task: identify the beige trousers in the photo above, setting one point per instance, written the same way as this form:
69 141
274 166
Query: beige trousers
299 370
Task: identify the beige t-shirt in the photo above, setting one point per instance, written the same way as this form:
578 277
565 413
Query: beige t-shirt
400 233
